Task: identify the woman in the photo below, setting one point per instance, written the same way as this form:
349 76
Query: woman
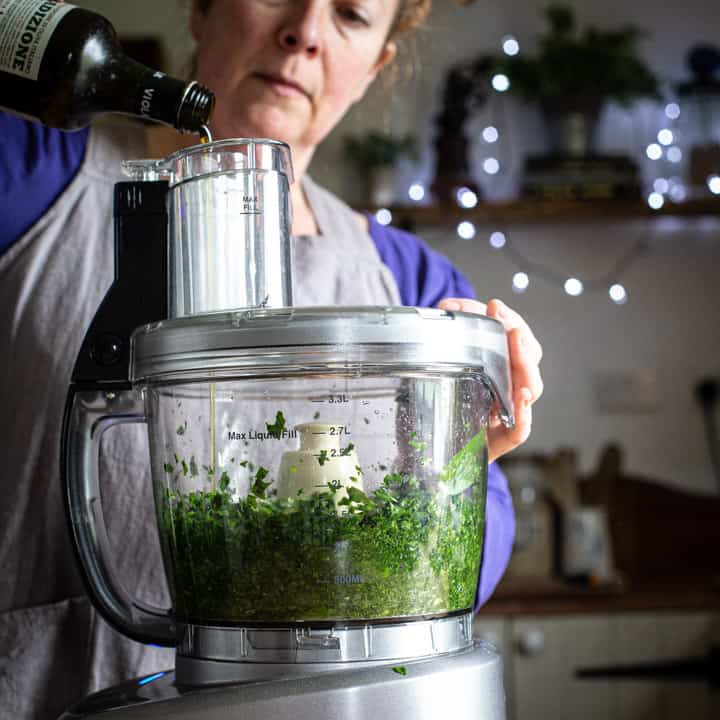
299 68
280 68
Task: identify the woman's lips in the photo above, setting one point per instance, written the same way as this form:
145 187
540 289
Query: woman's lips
281 85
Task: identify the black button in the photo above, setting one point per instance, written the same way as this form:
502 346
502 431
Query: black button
106 349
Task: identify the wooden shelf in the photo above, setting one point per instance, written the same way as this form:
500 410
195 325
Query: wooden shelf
554 597
558 211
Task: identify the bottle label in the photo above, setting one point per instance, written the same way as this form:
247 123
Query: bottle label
25 30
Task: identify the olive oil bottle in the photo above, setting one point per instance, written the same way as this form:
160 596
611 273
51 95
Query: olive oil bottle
63 65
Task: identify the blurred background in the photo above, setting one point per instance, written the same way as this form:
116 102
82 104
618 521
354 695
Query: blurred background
567 159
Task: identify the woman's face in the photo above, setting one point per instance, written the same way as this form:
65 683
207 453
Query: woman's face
289 69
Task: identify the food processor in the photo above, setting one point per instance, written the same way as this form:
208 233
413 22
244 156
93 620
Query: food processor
319 473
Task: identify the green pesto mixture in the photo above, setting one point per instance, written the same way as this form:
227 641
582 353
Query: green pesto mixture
402 550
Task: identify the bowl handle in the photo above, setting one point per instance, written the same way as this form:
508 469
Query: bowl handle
88 414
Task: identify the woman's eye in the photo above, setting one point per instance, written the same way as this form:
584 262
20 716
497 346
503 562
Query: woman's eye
351 15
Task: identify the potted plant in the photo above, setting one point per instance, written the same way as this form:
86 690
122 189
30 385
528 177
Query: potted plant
375 154
575 73
465 89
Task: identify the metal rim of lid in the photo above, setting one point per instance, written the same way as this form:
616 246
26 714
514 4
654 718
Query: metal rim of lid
272 337
302 341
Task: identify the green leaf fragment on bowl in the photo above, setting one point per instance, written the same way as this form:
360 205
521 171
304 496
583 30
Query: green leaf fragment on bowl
259 485
224 481
276 429
465 467
347 450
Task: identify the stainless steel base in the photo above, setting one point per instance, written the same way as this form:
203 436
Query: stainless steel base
466 685
209 655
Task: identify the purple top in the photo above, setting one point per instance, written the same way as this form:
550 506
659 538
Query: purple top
37 164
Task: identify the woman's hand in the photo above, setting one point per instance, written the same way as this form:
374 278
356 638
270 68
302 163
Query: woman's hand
525 356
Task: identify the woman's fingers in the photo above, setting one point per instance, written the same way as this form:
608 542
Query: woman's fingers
525 354
525 350
514 321
502 440
463 305
524 363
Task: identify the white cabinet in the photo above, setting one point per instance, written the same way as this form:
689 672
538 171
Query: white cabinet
541 655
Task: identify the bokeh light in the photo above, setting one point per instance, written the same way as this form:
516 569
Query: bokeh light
466 230
383 216
500 82
573 287
520 282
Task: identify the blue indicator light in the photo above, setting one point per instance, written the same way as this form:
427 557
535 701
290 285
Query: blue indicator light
150 678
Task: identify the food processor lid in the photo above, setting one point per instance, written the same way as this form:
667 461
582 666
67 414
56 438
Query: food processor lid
310 339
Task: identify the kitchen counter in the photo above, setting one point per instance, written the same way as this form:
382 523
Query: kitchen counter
555 597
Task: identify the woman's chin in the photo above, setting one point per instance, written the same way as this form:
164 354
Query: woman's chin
270 124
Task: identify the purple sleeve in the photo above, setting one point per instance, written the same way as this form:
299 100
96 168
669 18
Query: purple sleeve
425 277
36 165
499 534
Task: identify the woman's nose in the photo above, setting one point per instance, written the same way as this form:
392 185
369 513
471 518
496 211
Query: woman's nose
301 33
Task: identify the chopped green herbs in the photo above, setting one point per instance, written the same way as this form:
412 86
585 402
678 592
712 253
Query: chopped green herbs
400 670
259 485
347 450
276 429
464 466
224 481
404 549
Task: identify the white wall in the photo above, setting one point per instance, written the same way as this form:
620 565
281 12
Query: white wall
669 329
671 325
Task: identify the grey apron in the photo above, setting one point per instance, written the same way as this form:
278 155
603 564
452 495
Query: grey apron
54 648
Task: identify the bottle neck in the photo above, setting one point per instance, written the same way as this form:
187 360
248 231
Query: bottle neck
153 95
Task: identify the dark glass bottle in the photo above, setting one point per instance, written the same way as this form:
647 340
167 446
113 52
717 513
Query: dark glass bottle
63 65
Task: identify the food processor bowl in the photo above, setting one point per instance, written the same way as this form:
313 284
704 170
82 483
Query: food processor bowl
319 478
301 479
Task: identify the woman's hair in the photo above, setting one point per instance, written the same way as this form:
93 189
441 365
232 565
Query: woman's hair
410 15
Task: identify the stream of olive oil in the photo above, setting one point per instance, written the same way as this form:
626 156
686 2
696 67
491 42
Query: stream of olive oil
205 138
213 448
